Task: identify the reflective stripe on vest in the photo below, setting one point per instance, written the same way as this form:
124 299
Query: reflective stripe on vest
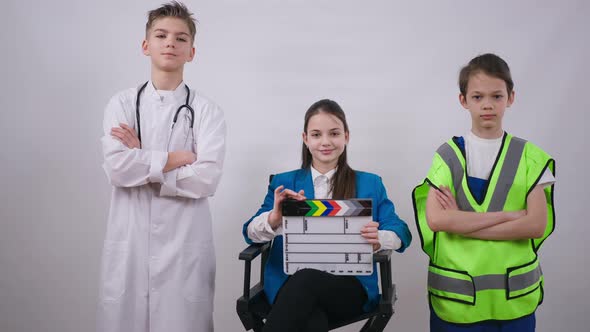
507 174
461 286
447 153
505 180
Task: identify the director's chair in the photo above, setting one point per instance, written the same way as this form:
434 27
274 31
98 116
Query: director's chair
253 307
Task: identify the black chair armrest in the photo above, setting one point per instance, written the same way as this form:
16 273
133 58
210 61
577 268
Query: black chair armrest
248 255
382 256
253 251
388 296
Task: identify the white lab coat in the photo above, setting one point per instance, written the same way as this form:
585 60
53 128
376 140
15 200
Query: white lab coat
158 265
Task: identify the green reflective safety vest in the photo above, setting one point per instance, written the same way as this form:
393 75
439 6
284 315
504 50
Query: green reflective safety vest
472 280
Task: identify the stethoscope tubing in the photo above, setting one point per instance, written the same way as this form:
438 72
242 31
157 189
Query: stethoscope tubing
186 105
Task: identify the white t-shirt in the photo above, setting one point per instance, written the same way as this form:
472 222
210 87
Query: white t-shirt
481 154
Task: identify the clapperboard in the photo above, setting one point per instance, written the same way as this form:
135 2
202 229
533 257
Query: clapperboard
326 235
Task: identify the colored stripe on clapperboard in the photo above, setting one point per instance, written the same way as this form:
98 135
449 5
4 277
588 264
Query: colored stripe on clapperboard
327 207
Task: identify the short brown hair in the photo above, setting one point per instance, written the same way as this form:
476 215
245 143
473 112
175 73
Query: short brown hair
172 9
491 65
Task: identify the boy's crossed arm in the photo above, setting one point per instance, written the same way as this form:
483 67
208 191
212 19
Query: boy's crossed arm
125 164
442 214
179 172
129 138
530 226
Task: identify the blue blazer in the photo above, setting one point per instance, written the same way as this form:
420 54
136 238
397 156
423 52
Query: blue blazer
367 186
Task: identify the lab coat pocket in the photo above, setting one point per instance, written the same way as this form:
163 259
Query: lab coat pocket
114 271
198 272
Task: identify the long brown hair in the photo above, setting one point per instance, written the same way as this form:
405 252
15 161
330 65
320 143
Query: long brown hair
343 184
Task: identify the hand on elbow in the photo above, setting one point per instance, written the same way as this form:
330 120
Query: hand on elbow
537 225
538 232
435 223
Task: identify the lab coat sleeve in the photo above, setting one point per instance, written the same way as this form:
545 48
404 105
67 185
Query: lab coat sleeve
200 179
123 166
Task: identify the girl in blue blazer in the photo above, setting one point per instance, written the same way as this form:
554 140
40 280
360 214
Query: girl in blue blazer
309 299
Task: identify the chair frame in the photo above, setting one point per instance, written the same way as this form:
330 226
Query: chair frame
253 307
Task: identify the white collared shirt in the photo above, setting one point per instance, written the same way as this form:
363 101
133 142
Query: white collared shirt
259 230
322 183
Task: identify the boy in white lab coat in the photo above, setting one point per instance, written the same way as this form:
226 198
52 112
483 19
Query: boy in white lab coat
163 146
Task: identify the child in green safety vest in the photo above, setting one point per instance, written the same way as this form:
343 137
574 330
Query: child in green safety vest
483 212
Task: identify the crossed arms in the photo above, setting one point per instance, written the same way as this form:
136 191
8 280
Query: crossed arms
443 215
180 173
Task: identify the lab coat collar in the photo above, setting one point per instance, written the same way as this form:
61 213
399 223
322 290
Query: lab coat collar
179 93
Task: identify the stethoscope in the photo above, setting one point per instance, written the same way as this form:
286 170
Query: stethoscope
186 105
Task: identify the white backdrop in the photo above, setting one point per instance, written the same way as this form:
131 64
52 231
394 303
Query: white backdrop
391 65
